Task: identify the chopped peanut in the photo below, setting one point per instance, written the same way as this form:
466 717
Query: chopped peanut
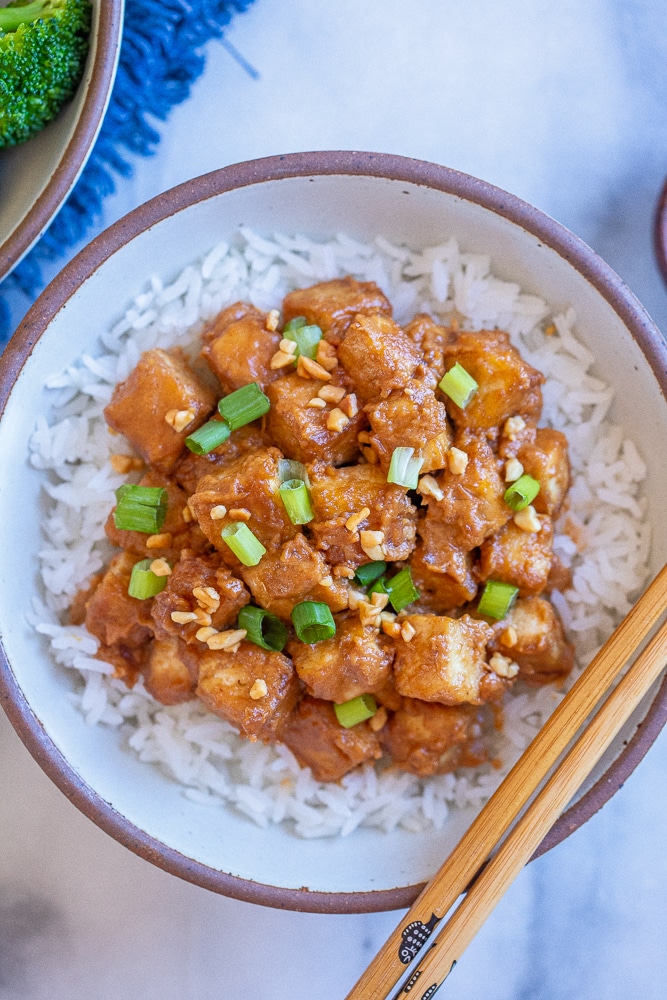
392 629
349 405
363 437
369 614
179 419
281 359
160 567
225 640
527 519
307 368
272 320
187 514
183 617
205 633
509 637
326 582
207 597
513 470
218 512
288 346
337 421
162 541
353 522
512 426
126 463
317 404
408 632
371 543
326 355
343 571
503 666
258 690
331 393
379 720
240 514
380 600
457 461
202 616
428 487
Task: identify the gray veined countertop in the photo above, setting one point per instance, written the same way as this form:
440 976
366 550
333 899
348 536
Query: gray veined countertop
565 105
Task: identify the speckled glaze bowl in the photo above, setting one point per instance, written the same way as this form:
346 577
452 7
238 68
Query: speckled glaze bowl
37 176
319 193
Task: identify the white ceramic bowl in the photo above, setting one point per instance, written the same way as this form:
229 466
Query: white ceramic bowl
317 193
37 176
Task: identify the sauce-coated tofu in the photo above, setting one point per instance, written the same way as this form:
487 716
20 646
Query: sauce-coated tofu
357 660
411 418
254 689
337 494
224 598
332 305
522 558
239 348
318 741
430 338
296 572
546 460
444 661
443 574
111 614
426 738
301 431
508 386
161 382
191 468
175 534
170 673
532 635
377 356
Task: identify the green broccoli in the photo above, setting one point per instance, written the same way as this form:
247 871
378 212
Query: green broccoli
43 48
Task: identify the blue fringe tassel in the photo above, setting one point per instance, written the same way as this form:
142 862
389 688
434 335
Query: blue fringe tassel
160 58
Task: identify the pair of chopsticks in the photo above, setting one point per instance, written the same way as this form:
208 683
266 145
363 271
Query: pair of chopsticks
510 827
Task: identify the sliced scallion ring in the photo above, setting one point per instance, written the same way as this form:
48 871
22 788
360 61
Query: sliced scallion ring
497 598
140 508
208 437
296 498
288 469
357 710
522 492
245 546
306 336
370 572
244 405
263 628
401 589
404 468
143 582
313 621
294 324
459 385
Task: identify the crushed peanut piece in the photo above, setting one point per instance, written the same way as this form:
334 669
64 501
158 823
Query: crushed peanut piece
187 514
228 640
512 426
272 320
337 421
326 582
317 404
126 463
513 470
202 616
457 461
204 634
371 542
355 598
353 522
288 346
408 632
344 571
281 359
363 437
392 629
160 567
380 600
379 720
388 616
326 355
307 368
503 666
331 393
369 614
528 520
509 637
259 689
240 514
162 541
179 419
428 487
183 617
349 405
218 512
207 598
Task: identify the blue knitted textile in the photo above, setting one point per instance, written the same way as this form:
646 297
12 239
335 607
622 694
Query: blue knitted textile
160 58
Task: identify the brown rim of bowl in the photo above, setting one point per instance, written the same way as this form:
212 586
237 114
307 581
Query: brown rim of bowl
106 51
660 232
395 168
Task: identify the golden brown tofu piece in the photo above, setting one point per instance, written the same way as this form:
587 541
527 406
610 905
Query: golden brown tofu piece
254 689
332 305
191 468
249 484
546 460
128 661
318 741
473 504
430 338
161 384
444 660
425 738
411 418
111 614
532 635
175 534
338 494
301 431
443 575
198 584
170 674
522 558
377 356
239 348
507 385
357 660
295 572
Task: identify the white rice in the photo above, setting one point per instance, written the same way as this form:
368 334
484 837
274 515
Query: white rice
606 545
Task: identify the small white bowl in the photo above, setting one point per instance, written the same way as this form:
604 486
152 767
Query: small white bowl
37 176
318 194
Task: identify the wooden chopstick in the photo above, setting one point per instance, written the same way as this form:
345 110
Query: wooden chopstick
511 797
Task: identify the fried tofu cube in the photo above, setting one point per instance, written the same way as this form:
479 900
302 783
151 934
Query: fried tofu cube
430 338
111 614
161 384
546 460
170 673
295 572
356 660
426 738
532 635
412 418
522 558
443 574
318 741
302 431
507 385
444 659
338 494
191 468
254 689
198 583
238 347
249 484
332 305
377 356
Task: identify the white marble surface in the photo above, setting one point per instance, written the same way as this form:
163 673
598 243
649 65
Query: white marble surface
563 104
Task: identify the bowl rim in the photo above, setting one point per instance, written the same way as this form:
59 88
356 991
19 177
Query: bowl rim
258 171
106 40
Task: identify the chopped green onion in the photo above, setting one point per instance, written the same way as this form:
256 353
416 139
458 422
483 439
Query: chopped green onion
459 385
263 628
379 587
522 492
294 494
140 508
313 621
351 713
295 324
288 469
243 406
404 469
143 582
370 572
497 599
305 336
245 546
208 436
401 590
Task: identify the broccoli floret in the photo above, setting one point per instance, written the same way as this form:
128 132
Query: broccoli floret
43 48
